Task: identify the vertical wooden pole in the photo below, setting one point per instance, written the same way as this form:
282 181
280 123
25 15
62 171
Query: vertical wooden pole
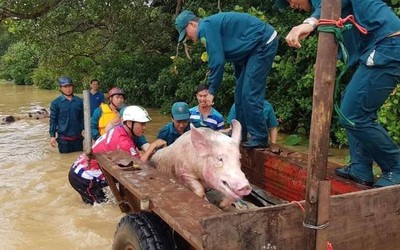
86 119
325 72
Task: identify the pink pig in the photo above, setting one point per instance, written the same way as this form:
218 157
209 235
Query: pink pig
206 158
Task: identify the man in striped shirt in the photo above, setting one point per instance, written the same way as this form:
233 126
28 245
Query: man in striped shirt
204 115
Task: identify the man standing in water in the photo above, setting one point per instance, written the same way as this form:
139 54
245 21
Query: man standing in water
178 126
107 113
96 96
204 115
66 119
250 44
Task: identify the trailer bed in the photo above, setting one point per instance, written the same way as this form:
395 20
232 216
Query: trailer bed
147 189
363 219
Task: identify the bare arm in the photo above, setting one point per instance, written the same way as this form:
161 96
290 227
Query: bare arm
273 134
299 33
150 150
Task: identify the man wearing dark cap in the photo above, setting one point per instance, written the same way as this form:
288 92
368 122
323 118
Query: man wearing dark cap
179 124
250 44
66 119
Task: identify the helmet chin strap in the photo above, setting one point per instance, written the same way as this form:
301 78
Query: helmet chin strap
112 103
131 129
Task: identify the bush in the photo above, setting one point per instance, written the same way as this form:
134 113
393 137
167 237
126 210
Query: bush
44 78
18 63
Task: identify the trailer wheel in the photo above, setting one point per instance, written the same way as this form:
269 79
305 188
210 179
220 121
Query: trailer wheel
142 231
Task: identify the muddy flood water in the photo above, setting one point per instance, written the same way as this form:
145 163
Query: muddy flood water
38 207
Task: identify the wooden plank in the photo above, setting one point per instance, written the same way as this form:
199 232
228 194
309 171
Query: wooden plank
323 214
275 227
367 219
179 207
86 122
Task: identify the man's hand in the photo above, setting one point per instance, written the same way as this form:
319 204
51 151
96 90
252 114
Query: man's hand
298 33
53 142
210 99
160 143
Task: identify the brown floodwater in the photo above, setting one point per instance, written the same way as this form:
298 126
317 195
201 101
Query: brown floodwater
38 207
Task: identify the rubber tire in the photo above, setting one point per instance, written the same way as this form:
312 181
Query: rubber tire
142 230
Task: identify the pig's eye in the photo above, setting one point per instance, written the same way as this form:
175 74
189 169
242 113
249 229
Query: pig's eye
220 160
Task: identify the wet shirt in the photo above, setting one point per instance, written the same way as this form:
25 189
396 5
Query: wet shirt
140 141
66 117
169 133
115 139
214 120
268 114
95 101
374 15
231 37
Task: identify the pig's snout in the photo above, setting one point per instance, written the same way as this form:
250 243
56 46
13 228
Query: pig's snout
246 190
239 190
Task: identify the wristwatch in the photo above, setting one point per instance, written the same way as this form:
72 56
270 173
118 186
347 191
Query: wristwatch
311 22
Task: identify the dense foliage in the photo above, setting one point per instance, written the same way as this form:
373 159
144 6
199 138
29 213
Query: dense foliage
132 45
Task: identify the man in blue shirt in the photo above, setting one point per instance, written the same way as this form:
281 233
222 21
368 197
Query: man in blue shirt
66 119
204 115
250 44
96 96
269 116
377 57
179 124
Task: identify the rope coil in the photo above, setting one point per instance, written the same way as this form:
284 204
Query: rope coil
342 22
337 27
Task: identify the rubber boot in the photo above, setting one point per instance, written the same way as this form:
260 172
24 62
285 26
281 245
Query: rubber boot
358 173
389 177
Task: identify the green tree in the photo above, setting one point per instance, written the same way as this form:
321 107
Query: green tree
18 63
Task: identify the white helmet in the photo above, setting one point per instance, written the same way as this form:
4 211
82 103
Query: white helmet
136 114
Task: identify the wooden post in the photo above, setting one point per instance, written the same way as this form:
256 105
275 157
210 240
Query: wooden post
86 119
325 72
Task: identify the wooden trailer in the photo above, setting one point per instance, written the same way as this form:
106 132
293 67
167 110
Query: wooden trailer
176 218
338 214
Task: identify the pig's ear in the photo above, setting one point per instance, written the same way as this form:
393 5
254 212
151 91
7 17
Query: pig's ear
199 141
236 131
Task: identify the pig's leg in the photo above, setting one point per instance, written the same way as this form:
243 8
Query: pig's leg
196 187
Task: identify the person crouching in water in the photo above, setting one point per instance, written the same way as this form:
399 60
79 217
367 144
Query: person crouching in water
85 175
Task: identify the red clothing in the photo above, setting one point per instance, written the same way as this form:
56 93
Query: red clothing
115 139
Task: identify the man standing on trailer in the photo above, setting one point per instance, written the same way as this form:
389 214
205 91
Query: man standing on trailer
377 57
250 44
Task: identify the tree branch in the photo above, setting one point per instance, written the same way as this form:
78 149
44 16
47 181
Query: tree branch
41 10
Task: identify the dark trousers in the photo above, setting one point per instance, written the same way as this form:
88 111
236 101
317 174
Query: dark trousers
251 76
91 191
372 83
68 146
